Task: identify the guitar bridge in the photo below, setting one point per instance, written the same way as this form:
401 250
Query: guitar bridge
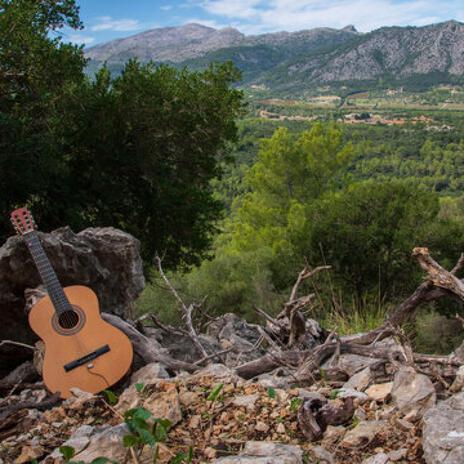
88 357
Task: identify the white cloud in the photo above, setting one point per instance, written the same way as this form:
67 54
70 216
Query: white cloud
81 39
244 9
166 7
107 23
255 16
205 22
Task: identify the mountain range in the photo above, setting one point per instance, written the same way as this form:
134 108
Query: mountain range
292 63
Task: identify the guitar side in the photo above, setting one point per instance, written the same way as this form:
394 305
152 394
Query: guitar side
92 358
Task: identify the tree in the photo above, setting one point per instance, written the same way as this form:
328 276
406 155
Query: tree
143 149
289 174
367 231
35 70
136 152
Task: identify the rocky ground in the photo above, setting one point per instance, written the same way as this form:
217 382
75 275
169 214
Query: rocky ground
223 418
227 391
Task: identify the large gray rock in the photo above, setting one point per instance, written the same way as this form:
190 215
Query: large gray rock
149 374
412 391
91 443
380 458
104 259
443 432
231 331
359 381
363 433
458 382
257 452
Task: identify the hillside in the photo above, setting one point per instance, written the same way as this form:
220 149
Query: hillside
292 63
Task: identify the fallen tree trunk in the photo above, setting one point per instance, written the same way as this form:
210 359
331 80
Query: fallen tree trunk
148 348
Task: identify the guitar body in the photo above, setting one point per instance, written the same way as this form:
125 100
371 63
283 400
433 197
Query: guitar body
81 349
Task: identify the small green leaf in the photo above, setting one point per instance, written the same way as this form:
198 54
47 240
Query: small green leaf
67 452
110 397
179 459
139 387
295 404
101 460
138 413
129 441
160 429
334 393
271 392
215 392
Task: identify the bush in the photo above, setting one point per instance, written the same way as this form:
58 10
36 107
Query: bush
436 334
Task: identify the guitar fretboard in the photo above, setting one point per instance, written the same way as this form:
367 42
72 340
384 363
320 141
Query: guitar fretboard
47 273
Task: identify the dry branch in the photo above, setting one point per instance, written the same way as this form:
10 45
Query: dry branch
147 348
186 310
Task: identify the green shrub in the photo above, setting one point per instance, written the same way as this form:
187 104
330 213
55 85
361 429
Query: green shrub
360 316
435 333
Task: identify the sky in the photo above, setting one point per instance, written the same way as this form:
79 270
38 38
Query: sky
105 20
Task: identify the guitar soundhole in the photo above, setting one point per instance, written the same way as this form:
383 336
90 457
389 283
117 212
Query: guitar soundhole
68 319
69 322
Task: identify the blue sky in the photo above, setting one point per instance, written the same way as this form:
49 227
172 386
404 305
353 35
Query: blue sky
109 19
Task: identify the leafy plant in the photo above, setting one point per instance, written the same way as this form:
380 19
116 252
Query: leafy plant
215 392
111 397
139 387
271 393
145 430
68 452
182 457
295 404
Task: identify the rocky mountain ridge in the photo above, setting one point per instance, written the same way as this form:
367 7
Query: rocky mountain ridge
177 44
294 62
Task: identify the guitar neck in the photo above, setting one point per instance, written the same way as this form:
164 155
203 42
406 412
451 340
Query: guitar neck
47 273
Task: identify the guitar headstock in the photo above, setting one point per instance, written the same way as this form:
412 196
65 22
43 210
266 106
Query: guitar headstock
22 221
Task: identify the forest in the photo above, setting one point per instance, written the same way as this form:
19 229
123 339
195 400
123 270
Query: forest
234 203
355 198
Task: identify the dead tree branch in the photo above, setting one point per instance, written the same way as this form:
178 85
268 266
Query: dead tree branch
147 348
186 310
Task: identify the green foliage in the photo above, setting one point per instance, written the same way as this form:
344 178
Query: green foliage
111 397
436 333
367 231
139 387
289 172
295 404
362 315
214 394
137 152
180 458
36 72
145 430
166 128
68 452
299 200
271 393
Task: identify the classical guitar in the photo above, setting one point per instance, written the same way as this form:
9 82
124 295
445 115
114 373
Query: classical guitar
81 349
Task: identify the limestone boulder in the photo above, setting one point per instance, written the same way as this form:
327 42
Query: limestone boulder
412 391
104 259
256 452
443 432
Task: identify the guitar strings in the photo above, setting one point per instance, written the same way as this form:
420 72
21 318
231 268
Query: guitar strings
66 314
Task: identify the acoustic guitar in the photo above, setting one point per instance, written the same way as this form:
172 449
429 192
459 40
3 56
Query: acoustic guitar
81 349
